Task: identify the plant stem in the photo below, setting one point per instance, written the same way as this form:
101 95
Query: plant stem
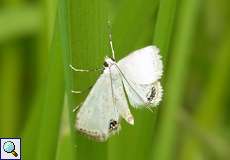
165 139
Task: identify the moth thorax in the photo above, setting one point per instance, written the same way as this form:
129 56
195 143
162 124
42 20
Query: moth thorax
109 62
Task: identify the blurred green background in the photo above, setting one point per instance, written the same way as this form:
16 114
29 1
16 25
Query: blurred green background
40 38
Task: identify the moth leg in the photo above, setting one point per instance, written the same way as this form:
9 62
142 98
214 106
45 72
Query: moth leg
77 107
80 92
76 92
84 70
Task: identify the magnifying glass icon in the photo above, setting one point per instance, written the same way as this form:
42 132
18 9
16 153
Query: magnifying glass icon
9 147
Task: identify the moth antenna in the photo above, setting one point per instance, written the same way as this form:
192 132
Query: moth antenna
110 38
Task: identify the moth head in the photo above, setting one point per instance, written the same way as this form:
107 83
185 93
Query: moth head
155 93
109 62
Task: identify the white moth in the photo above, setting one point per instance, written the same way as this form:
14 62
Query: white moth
136 75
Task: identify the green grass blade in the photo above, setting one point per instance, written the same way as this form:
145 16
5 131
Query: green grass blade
64 29
164 26
33 113
42 127
52 109
31 130
65 141
137 22
210 110
64 150
165 138
18 22
162 35
10 91
89 32
133 30
51 7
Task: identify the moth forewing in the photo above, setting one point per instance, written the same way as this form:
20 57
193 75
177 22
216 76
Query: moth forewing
143 66
97 112
119 96
135 95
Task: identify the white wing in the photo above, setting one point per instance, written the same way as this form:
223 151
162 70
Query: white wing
120 97
98 113
143 66
144 94
141 71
